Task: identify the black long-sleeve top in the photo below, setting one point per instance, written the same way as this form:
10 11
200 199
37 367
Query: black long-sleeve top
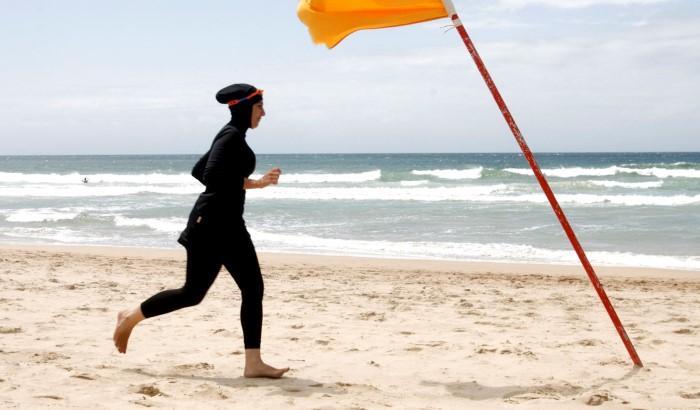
223 170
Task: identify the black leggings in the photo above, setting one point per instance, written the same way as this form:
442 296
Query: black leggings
203 265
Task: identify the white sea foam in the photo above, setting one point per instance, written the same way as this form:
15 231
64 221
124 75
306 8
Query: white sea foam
167 225
89 190
322 178
381 194
453 174
461 251
56 235
567 172
162 183
415 183
41 215
610 171
590 199
630 200
535 228
482 194
630 185
77 179
665 173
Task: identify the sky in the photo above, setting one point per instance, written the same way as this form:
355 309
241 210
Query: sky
139 77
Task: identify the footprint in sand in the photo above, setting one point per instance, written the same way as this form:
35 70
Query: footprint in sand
598 399
207 391
89 308
49 396
84 376
675 319
148 390
224 333
10 330
465 304
198 366
379 317
683 331
49 356
616 361
588 342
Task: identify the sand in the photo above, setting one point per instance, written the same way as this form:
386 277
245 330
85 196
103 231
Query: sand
357 333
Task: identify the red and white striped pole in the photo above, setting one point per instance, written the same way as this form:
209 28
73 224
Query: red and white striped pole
452 14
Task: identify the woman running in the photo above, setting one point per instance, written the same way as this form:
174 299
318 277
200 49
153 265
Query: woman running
216 234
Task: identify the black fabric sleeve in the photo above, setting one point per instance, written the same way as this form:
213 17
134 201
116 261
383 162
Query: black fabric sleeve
220 173
198 169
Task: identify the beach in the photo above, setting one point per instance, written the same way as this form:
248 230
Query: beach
357 333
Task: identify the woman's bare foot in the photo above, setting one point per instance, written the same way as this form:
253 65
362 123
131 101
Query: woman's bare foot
255 367
263 370
126 320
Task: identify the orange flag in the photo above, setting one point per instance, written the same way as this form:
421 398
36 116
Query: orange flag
330 21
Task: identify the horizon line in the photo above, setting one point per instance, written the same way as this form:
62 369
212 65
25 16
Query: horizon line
358 153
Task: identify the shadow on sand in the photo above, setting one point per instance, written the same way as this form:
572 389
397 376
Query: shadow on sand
287 386
476 391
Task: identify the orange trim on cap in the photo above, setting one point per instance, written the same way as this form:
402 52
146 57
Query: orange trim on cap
234 102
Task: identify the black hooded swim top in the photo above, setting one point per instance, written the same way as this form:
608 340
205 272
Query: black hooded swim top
228 162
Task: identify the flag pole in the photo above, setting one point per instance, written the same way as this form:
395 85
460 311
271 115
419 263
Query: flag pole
452 14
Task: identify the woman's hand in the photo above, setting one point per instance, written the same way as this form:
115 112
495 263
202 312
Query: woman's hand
272 177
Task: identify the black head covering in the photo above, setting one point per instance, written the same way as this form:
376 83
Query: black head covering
241 112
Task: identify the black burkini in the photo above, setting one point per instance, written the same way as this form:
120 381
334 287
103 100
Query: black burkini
216 234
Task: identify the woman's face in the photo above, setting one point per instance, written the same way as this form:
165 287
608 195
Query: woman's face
258 113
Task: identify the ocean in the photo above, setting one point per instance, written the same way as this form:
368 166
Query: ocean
628 209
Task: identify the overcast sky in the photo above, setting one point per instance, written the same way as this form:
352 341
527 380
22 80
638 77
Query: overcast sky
139 77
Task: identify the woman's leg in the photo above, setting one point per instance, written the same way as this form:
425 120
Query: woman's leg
244 268
202 269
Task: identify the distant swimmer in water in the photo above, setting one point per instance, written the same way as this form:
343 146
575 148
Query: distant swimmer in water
85 180
216 233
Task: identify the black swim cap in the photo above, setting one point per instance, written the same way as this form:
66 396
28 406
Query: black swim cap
238 93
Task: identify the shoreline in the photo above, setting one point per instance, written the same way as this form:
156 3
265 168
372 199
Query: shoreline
347 261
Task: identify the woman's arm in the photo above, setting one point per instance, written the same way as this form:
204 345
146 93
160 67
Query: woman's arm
219 174
272 177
